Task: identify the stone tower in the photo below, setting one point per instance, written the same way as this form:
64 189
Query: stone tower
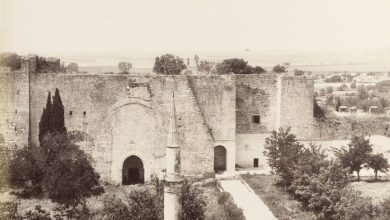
173 180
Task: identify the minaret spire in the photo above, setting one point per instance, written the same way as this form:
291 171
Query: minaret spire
172 133
173 180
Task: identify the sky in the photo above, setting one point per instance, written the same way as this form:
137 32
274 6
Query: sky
122 26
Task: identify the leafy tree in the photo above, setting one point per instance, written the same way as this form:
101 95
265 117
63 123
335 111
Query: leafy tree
11 60
378 162
125 67
72 67
298 72
258 70
362 92
206 66
279 69
193 206
358 153
27 170
168 64
57 114
353 85
233 65
69 177
283 153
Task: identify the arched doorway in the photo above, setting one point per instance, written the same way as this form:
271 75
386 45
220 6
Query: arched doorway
133 171
219 158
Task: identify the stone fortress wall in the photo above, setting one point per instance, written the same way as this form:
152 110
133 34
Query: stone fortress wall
211 111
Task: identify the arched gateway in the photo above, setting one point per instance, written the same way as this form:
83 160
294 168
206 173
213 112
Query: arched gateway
133 171
219 158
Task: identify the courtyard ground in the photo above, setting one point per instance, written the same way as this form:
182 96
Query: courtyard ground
208 187
244 197
282 205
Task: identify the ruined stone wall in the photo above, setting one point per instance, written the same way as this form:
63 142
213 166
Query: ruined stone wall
14 107
108 107
255 95
297 106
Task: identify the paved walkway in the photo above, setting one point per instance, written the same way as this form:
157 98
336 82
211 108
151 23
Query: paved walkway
243 195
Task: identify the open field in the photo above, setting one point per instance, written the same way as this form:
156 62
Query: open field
282 205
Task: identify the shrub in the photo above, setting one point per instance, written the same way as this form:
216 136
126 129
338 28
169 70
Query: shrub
26 171
114 208
69 176
9 210
385 208
353 206
4 165
143 205
37 214
78 212
230 211
193 206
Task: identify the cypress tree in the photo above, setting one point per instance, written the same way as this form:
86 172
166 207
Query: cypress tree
57 115
45 124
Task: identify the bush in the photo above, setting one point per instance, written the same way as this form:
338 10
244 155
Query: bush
26 171
4 165
37 214
78 212
353 206
114 208
69 176
193 206
230 211
9 210
385 208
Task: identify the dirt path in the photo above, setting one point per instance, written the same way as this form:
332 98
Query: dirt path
252 206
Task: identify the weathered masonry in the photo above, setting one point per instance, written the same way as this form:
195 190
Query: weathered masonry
222 120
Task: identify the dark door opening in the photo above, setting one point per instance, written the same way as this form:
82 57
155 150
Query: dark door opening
256 162
133 171
219 159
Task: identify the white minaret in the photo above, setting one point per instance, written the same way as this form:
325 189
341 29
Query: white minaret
173 180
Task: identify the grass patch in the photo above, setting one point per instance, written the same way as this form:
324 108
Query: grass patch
377 190
282 205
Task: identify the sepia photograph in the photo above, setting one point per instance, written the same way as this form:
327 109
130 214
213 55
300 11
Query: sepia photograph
194 110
